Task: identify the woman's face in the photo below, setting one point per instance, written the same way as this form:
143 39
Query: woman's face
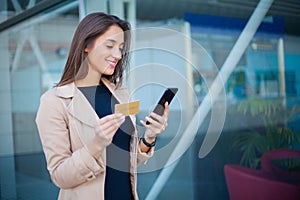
105 53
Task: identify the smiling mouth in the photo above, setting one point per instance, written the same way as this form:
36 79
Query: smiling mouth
112 63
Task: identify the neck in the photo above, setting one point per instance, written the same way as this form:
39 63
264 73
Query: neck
86 83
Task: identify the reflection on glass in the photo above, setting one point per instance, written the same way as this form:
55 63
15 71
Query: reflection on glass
37 50
262 98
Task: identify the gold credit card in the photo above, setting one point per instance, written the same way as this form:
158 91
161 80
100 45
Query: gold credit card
130 108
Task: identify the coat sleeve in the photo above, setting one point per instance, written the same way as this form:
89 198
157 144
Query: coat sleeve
143 157
67 169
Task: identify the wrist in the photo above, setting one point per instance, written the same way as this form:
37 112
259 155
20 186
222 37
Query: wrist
147 145
95 148
149 135
149 139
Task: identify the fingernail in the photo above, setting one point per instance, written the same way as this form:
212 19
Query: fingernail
119 115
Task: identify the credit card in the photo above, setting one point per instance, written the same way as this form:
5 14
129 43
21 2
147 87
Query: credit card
130 108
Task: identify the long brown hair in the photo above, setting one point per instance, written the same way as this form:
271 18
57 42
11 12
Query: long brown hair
90 28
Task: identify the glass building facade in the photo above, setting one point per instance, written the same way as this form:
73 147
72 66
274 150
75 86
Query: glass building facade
187 44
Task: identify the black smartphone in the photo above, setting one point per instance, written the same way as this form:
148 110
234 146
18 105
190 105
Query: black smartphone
166 97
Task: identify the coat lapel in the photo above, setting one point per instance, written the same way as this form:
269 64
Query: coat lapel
121 94
79 107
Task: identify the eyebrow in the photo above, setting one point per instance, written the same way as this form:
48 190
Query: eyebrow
114 41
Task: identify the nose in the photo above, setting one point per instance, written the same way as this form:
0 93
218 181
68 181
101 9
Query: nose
117 54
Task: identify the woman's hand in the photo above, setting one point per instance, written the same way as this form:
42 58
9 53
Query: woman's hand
104 133
157 123
107 127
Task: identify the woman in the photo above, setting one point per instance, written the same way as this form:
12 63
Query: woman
91 152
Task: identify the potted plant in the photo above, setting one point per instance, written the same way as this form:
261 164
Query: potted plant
274 133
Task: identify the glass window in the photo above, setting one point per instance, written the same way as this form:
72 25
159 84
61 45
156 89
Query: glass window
174 41
33 53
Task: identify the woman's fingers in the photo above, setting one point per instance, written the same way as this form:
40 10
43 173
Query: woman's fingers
108 126
157 123
166 111
112 120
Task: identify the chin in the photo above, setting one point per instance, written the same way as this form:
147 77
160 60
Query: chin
109 72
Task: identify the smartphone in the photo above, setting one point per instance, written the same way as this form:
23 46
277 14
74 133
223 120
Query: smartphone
166 97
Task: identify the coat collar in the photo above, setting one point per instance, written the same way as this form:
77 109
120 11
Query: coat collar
70 90
80 108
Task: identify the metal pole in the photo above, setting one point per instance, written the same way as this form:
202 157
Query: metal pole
281 69
227 68
82 9
233 58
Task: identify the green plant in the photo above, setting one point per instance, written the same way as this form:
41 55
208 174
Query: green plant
274 134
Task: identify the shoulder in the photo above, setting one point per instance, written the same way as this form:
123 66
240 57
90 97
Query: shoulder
49 94
51 97
60 92
122 94
52 109
51 104
122 88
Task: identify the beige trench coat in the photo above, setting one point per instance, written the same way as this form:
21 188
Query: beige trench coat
65 122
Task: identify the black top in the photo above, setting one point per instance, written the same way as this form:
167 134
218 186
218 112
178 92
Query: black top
117 180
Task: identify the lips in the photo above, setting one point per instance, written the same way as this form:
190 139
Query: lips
112 63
